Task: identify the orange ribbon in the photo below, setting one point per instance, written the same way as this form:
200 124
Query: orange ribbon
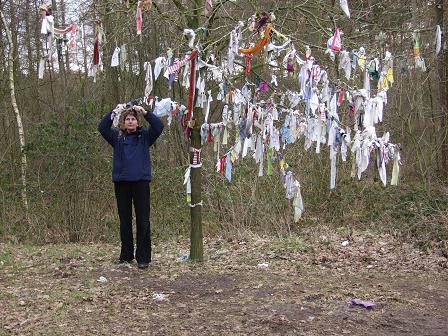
260 44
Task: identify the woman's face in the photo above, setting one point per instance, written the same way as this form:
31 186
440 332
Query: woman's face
130 123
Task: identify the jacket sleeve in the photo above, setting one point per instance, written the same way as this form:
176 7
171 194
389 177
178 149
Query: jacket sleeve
106 130
156 128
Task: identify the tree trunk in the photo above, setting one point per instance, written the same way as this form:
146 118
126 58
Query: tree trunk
23 165
28 35
31 59
67 54
112 93
62 61
442 64
196 238
13 30
84 52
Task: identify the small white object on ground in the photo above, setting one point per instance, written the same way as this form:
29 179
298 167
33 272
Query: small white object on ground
101 279
160 297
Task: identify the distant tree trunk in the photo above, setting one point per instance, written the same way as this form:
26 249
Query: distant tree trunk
13 29
31 54
84 52
28 34
67 54
18 117
58 21
111 93
63 63
441 19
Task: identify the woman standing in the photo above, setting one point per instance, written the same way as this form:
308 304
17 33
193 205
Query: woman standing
131 174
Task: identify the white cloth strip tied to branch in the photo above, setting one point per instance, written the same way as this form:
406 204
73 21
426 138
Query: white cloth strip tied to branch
163 107
115 61
148 79
438 40
235 37
344 7
207 106
195 205
187 182
160 63
208 7
395 154
271 46
298 202
190 35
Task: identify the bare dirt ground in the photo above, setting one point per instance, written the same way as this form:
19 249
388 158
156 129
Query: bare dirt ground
256 286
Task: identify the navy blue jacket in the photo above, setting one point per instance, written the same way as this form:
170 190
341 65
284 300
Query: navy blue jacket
132 160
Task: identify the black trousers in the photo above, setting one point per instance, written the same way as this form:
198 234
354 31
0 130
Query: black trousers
138 193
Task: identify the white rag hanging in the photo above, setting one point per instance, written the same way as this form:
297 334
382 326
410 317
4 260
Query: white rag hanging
246 145
344 7
148 79
187 181
366 85
160 63
207 106
298 202
438 40
115 61
345 63
396 168
382 170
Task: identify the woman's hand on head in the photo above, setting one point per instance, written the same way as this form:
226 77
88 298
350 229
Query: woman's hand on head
140 109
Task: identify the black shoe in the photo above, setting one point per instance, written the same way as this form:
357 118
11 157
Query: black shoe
143 265
120 261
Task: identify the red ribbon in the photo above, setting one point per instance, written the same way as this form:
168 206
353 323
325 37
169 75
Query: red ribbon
210 137
192 84
341 97
96 52
248 59
222 162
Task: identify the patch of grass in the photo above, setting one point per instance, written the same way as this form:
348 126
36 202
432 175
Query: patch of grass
5 257
102 252
290 244
407 212
79 296
9 258
76 251
53 251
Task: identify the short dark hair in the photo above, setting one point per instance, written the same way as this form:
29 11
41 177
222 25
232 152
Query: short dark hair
130 112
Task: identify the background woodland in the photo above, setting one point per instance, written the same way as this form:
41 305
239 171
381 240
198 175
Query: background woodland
69 188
